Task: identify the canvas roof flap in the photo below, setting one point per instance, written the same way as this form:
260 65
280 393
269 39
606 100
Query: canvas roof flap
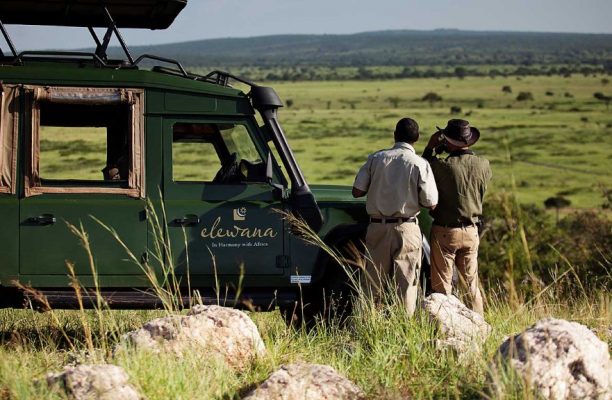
146 14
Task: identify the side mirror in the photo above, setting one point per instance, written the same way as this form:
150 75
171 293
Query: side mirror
278 191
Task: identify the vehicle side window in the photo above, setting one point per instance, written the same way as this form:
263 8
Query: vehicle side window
215 153
86 140
194 157
83 143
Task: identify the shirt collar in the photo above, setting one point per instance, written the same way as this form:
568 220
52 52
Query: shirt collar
458 153
403 145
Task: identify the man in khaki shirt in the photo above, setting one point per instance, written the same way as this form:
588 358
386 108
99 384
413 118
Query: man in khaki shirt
398 183
462 180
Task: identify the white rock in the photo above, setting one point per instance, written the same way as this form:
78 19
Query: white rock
461 328
94 382
212 330
561 360
306 382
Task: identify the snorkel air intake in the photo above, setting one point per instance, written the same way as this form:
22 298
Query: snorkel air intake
266 101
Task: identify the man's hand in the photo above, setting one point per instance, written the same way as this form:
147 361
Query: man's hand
434 140
358 192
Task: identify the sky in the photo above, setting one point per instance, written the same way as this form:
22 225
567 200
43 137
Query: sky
206 19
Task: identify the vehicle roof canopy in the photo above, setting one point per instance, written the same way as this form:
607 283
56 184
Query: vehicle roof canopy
149 14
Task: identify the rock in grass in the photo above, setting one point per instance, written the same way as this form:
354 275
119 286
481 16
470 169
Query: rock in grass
210 330
306 382
560 360
461 328
93 382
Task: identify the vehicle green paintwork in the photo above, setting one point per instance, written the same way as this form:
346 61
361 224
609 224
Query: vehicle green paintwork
37 255
263 253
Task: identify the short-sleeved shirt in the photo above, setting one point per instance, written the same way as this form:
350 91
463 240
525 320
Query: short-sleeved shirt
398 182
462 180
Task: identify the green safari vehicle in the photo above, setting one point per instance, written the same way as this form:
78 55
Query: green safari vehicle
138 143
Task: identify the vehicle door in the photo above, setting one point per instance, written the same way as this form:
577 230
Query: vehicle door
222 215
83 168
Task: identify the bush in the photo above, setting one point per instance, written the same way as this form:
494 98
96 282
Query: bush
603 98
557 202
507 89
460 72
432 97
394 101
524 96
520 241
455 110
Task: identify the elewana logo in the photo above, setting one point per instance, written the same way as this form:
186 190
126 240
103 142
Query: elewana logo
218 231
240 214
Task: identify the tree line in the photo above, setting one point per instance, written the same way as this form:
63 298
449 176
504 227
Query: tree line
445 48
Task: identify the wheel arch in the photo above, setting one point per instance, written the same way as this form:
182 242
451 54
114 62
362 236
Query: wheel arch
338 236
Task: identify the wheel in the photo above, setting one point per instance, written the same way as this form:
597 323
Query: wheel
299 314
331 300
335 297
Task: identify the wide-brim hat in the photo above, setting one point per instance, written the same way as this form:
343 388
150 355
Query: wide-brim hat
459 133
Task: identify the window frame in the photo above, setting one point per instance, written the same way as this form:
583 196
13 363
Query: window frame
34 185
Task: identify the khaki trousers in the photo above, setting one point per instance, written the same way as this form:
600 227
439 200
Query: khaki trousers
456 246
394 258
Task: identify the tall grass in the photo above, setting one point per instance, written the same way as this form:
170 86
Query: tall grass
387 353
158 267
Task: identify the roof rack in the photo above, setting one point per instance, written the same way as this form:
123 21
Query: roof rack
222 78
100 58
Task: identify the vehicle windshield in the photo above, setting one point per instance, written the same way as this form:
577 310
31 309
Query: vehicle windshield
237 140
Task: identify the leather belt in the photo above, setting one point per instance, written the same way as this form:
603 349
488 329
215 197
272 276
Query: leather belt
457 225
392 220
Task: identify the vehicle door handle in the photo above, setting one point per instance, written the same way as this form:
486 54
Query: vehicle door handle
44 219
187 220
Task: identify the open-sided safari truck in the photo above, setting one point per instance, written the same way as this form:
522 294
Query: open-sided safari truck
92 141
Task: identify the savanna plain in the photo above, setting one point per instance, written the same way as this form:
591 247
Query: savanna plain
553 143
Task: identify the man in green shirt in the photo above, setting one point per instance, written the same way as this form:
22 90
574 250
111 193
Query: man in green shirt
462 179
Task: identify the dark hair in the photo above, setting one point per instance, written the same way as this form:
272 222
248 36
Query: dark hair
406 130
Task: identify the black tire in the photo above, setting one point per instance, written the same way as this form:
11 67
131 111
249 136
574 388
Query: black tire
300 314
335 297
331 300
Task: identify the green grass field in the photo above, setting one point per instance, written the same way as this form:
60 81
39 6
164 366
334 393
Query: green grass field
553 145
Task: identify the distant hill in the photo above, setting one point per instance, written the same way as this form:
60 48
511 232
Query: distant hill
404 47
